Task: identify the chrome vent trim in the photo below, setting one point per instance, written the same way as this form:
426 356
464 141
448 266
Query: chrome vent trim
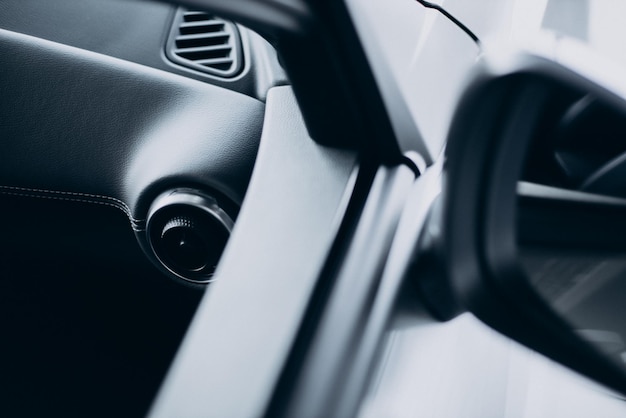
205 43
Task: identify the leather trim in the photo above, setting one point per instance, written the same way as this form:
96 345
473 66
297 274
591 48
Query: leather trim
138 225
85 127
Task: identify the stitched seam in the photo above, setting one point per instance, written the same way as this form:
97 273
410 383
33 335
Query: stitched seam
69 196
25 189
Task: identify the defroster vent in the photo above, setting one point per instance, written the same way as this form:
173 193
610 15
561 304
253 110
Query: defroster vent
205 43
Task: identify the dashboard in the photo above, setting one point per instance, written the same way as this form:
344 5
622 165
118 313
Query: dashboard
98 124
136 31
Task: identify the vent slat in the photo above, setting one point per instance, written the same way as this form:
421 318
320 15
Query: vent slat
204 49
220 66
202 35
202 53
196 16
215 61
201 27
202 40
209 22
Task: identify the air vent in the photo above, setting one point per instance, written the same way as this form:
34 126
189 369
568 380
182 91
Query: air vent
205 43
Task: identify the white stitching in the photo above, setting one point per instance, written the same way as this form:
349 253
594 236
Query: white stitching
115 203
25 189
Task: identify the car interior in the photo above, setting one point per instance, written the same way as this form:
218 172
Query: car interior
239 208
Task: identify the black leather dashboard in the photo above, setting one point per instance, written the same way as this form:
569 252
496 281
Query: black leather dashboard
82 126
95 123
